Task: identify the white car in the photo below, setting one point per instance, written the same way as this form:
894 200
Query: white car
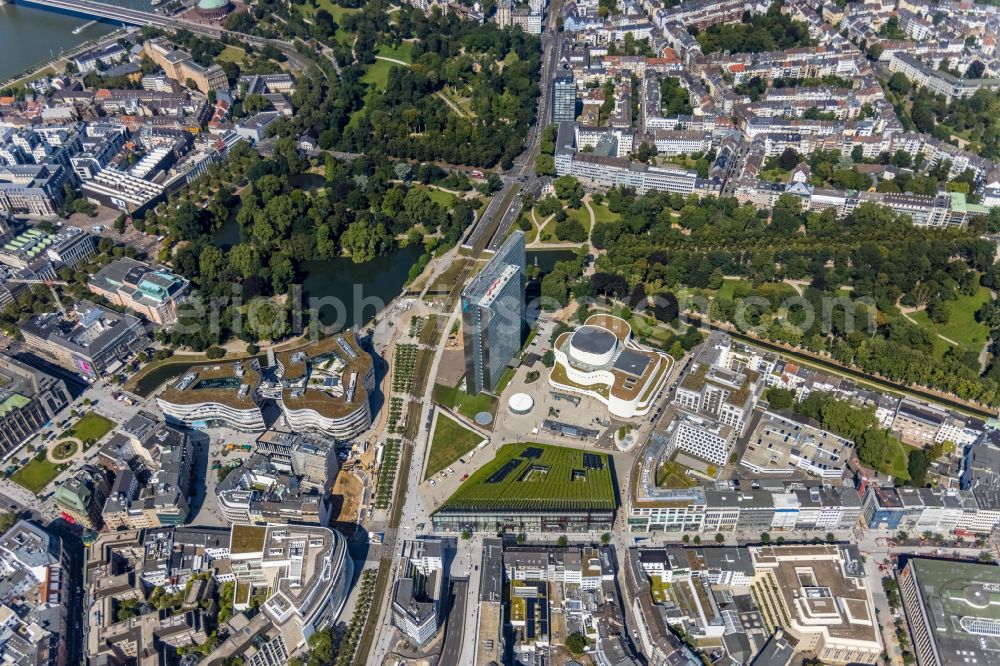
433 482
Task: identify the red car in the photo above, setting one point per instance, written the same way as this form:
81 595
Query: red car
464 477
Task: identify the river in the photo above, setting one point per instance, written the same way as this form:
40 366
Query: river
30 36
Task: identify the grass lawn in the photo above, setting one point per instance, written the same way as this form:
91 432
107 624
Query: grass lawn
778 175
671 475
511 58
961 326
402 52
345 38
728 287
90 428
36 474
336 11
231 54
463 403
356 117
896 463
377 74
582 216
429 334
685 162
531 234
538 476
658 589
505 378
443 199
451 440
450 274
603 214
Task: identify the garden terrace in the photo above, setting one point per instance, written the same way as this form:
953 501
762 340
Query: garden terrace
225 383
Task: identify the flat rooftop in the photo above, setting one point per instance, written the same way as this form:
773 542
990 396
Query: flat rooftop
821 591
778 442
961 601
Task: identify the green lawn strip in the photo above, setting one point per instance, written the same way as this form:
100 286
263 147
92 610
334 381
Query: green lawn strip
557 479
582 215
345 38
37 474
451 440
671 475
549 234
377 74
231 54
897 464
463 403
777 175
336 11
505 378
90 428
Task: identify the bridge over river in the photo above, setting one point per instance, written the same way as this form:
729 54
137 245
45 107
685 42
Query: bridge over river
140 18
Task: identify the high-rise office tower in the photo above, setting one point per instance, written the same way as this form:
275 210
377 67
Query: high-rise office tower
563 99
493 316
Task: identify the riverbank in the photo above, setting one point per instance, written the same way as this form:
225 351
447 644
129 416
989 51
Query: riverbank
56 66
34 39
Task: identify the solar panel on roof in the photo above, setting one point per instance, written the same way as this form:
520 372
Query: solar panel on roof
502 473
532 453
592 461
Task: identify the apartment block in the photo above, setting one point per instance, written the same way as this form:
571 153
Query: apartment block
419 589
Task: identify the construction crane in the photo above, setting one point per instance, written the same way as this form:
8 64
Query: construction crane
47 283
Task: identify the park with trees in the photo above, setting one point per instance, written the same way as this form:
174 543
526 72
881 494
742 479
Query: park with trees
874 260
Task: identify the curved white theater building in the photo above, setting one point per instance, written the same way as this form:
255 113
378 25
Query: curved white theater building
210 396
600 360
325 387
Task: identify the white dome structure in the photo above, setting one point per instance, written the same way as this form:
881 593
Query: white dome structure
592 345
520 403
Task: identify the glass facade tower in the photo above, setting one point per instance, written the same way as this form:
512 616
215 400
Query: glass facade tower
563 100
493 316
